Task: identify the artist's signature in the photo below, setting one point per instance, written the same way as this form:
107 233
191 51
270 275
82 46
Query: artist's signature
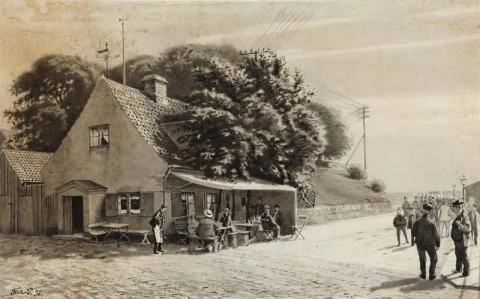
29 292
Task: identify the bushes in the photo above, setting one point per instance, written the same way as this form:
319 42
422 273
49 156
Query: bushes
377 185
356 172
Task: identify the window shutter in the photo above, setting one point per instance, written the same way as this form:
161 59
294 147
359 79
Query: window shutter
146 204
111 205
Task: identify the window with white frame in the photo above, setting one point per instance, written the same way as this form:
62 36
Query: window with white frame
99 136
210 201
129 204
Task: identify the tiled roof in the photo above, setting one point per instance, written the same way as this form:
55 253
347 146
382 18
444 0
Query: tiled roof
27 165
145 113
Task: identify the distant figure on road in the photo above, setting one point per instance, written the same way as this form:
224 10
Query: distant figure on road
405 205
444 217
425 235
474 218
412 217
461 229
400 223
415 203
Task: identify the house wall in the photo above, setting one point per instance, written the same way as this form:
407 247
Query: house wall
10 186
139 222
96 207
128 164
472 193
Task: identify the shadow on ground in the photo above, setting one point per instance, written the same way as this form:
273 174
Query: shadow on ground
412 285
45 248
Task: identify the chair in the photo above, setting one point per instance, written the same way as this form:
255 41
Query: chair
297 229
180 225
268 230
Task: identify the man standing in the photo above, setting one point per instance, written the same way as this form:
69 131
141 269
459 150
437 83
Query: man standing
461 228
474 218
425 235
157 222
278 217
400 223
444 217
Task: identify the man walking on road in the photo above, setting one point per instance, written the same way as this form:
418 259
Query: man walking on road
400 223
461 228
474 218
444 217
425 235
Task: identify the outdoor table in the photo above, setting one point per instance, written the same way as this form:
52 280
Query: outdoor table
253 227
116 228
222 232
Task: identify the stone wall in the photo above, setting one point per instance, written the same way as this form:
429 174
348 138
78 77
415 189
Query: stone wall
323 214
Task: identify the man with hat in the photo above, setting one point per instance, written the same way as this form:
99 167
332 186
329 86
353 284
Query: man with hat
461 228
273 225
208 229
474 218
425 235
157 223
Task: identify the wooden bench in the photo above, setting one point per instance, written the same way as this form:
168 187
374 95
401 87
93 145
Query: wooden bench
196 240
180 226
142 232
95 230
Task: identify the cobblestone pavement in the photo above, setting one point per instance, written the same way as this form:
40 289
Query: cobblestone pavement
356 258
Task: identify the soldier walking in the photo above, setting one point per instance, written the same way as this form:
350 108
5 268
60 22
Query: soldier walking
425 235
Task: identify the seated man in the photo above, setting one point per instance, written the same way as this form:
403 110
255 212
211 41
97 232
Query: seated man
208 229
226 220
273 226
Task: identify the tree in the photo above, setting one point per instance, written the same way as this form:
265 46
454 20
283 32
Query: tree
337 140
252 120
50 97
176 65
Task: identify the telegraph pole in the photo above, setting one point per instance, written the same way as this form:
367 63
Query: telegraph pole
123 50
106 56
364 116
256 52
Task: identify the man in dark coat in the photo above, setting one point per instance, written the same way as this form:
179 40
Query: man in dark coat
278 217
474 217
157 222
425 235
207 228
461 229
400 223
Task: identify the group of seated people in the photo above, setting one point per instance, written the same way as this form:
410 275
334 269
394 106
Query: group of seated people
208 230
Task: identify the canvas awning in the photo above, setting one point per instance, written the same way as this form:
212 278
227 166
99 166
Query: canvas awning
255 184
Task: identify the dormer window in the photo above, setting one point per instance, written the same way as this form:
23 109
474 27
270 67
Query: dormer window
99 136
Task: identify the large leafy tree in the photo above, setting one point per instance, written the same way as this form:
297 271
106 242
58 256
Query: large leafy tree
50 98
252 120
174 64
336 132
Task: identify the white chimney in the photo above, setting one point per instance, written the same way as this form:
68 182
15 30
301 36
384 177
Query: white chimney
155 85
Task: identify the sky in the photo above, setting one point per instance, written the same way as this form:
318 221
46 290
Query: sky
415 64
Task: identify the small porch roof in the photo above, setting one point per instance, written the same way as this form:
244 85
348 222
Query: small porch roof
256 184
85 185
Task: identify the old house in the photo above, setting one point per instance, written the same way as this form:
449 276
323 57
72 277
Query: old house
117 163
22 206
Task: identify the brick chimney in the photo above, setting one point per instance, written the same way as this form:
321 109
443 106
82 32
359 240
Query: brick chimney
155 86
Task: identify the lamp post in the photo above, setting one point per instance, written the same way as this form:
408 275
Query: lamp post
464 181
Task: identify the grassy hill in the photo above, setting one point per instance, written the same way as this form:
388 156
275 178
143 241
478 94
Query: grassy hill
333 187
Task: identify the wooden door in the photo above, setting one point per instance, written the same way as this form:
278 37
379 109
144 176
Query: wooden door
5 214
67 215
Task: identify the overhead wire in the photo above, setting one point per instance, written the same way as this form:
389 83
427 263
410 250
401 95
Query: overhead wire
270 25
290 26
